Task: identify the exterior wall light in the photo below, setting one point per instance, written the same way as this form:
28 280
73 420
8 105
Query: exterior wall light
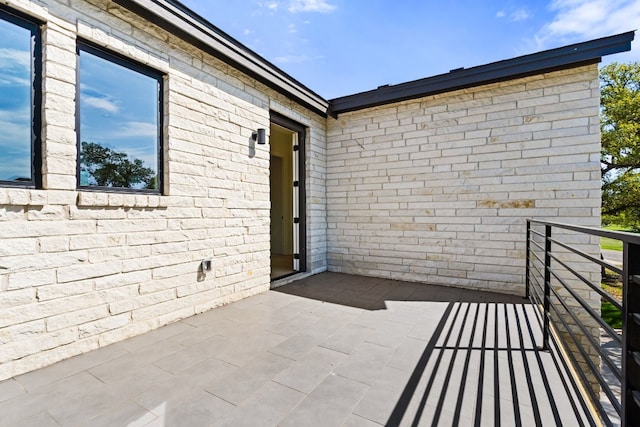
260 136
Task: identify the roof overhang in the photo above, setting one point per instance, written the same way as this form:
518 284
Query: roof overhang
541 62
174 17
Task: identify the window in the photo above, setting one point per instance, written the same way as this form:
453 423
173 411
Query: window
20 95
120 130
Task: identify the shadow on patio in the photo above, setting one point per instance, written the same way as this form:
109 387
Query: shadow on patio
331 349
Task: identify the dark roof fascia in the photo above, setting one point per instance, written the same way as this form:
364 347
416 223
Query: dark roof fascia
179 20
536 63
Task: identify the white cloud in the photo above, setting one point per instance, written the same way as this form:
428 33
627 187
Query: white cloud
13 81
15 127
272 5
137 129
292 28
12 58
310 6
16 66
519 15
100 103
578 20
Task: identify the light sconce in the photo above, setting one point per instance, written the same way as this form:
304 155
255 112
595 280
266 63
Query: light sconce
260 136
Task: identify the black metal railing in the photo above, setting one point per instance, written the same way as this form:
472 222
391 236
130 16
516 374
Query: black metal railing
563 279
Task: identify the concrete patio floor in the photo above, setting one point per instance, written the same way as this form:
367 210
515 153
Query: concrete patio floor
329 350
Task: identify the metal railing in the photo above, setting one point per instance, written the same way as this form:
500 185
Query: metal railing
563 279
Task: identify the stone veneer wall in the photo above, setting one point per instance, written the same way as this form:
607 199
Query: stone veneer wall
80 270
438 189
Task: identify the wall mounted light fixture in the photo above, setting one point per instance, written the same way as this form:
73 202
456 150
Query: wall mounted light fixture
260 136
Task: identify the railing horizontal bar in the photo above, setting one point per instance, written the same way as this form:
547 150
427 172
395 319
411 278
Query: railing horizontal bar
538 257
596 316
589 257
594 370
636 357
538 245
633 238
537 233
538 271
636 397
635 279
636 318
616 370
587 282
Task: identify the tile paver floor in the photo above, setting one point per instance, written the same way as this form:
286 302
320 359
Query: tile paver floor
329 350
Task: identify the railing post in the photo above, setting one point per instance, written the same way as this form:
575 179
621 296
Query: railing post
528 260
631 335
547 286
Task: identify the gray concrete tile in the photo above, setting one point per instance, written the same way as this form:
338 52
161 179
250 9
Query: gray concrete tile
132 363
206 411
14 411
365 362
10 389
296 347
132 382
243 347
127 414
330 404
175 394
356 342
296 324
383 395
389 334
267 406
243 383
203 374
357 421
78 399
347 338
196 336
407 355
191 356
67 368
307 373
153 337
42 419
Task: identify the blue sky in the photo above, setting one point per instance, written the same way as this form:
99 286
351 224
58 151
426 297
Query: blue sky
341 47
15 118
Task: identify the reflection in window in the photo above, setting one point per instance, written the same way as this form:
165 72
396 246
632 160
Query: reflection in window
19 161
119 111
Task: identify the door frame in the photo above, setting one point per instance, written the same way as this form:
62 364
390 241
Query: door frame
301 130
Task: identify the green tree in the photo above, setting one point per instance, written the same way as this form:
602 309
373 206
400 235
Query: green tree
109 168
620 128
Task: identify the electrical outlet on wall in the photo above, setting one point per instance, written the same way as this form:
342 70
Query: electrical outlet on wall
206 265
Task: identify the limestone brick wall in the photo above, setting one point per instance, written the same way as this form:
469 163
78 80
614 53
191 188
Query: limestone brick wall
438 189
80 270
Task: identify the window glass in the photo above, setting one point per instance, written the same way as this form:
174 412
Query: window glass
119 111
16 100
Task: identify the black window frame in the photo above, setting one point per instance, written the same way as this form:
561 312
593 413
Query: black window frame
34 26
118 59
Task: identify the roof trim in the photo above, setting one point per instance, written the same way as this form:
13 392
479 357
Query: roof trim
179 20
536 63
